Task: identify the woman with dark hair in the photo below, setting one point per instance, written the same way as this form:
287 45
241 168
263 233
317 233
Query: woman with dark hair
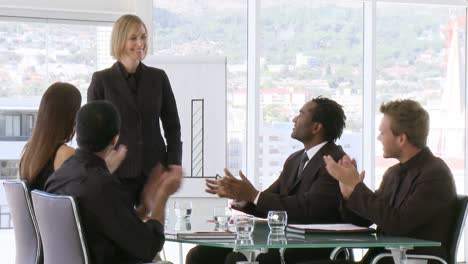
46 150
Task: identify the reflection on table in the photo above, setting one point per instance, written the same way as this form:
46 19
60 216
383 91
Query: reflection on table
262 239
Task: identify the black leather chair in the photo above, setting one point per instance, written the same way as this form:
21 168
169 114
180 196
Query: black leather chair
27 237
60 227
458 225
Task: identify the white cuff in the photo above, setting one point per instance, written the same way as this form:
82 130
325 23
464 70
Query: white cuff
256 198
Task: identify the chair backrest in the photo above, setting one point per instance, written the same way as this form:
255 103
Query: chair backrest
460 217
60 227
27 238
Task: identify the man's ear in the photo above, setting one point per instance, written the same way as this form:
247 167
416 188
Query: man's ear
403 139
317 127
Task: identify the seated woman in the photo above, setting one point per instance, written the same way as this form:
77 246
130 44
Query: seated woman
46 150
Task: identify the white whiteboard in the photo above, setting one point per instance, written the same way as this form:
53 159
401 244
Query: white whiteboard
196 81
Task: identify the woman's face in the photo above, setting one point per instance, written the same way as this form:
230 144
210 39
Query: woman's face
135 44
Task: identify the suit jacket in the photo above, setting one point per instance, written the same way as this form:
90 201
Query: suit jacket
140 114
312 198
420 205
113 232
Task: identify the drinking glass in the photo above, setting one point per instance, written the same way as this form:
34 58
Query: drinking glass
244 225
222 215
277 221
277 239
183 224
182 209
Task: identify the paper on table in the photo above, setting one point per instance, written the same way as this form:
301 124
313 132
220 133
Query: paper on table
203 234
327 228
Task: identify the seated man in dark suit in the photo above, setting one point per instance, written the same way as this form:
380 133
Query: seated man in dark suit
113 231
416 197
304 189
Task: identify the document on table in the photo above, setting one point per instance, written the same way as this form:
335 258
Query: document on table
329 228
203 234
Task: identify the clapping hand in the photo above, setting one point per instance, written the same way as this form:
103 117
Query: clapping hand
345 172
231 187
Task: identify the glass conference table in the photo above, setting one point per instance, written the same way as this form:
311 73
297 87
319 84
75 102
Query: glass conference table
262 239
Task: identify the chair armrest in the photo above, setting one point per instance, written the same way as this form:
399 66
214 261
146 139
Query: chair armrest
408 256
338 250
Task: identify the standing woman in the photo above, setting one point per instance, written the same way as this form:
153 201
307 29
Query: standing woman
143 96
46 150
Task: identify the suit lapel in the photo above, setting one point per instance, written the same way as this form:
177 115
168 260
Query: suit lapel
405 188
290 180
121 84
312 167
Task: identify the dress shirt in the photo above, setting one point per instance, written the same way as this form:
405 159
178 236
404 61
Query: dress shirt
131 78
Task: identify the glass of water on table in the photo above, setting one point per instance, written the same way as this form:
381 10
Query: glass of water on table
182 209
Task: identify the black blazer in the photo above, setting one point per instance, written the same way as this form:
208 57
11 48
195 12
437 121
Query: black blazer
140 114
313 198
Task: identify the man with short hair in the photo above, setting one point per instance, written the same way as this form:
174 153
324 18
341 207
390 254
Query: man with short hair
416 197
304 189
114 233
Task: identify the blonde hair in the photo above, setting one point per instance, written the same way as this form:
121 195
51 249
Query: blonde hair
122 27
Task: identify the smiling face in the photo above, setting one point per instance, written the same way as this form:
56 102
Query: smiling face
303 123
135 44
390 142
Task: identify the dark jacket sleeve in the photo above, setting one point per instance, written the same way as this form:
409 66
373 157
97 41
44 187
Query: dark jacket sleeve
351 217
317 205
119 223
95 90
251 208
171 123
433 187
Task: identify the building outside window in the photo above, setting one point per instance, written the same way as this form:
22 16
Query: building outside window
8 169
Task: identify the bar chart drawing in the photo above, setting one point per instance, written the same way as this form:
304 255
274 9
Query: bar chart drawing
199 87
197 137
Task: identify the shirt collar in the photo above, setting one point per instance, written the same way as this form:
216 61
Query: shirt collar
415 160
90 157
313 150
125 73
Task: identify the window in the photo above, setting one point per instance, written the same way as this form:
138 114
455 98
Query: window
309 48
16 124
8 169
211 28
35 53
420 55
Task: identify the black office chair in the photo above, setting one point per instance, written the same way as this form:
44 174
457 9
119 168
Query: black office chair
458 225
27 238
60 227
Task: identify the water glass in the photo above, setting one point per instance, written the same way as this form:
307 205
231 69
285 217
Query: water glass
183 224
244 225
182 209
277 239
222 215
277 221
